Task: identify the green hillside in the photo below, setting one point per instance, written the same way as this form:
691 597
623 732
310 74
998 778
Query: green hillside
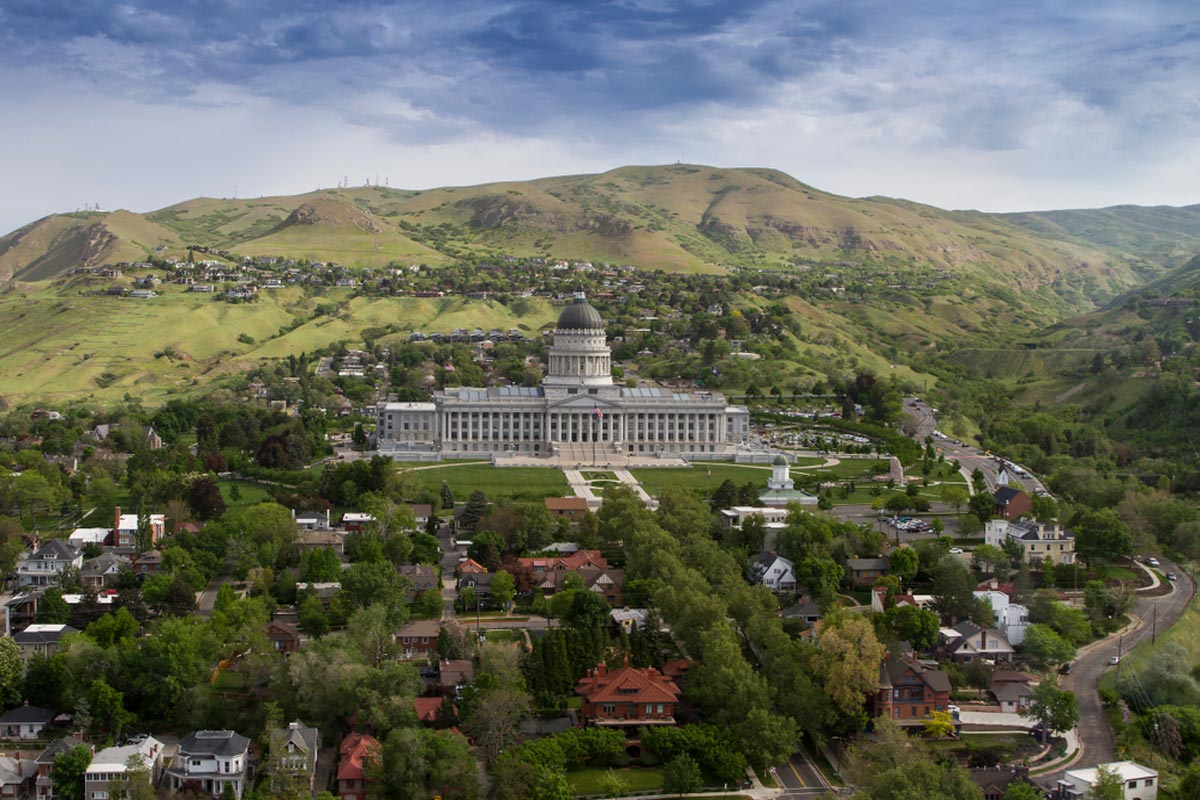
1164 235
678 218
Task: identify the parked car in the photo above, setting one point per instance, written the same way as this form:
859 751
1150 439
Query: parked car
1114 660
1171 576
1066 668
1152 562
957 551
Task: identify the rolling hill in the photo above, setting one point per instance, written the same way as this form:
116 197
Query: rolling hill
677 218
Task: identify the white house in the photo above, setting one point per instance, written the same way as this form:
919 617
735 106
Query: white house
24 722
734 516
1140 783
210 761
966 641
1038 540
81 537
1012 619
45 567
125 528
112 762
774 572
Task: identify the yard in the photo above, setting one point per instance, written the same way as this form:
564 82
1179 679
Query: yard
522 482
590 780
705 477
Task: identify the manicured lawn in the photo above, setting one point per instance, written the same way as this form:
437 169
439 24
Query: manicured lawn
250 493
527 482
503 635
589 780
696 477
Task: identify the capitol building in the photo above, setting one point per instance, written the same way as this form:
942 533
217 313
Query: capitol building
577 415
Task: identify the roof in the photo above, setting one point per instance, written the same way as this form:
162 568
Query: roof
1006 494
417 571
566 503
58 550
867 563
628 685
26 713
285 628
305 738
57 747
355 750
891 671
16 771
579 315
421 627
42 634
780 461
805 608
1126 770
129 522
92 535
115 759
454 671
427 708
1010 692
217 743
103 563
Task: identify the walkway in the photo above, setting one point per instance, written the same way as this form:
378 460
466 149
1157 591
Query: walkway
626 477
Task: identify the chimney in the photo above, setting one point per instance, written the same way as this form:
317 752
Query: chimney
116 519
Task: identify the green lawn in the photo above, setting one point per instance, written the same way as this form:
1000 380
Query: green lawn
503 636
589 780
250 493
527 482
655 479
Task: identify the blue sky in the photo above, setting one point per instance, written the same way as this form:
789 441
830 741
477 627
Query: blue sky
996 106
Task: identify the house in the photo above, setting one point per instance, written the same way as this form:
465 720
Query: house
572 509
210 761
355 753
284 636
323 591
774 572
994 781
20 610
864 571
82 537
148 563
478 582
153 440
1011 619
45 764
125 530
627 697
1012 690
572 563
17 775
909 691
470 566
307 540
608 583
421 578
45 566
294 753
807 611
1012 503
1140 783
102 571
455 673
736 516
419 637
25 722
966 641
421 513
780 491
112 762
426 708
1039 541
41 639
313 520
627 619
355 521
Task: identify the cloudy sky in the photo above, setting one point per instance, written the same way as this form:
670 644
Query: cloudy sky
990 105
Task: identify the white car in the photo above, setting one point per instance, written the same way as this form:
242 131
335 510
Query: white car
1152 562
1114 660
956 551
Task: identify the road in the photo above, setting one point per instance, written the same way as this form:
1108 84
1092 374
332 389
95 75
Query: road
799 778
1096 738
970 458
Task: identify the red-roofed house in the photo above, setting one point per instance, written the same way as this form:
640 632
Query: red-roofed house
471 567
356 750
627 697
572 563
427 708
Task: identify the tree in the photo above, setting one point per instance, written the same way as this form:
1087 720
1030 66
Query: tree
982 505
913 624
493 718
311 617
428 604
611 783
955 496
12 672
503 589
1102 536
69 769
447 496
134 782
106 709
682 775
953 590
1045 508
1056 709
372 584
1045 646
939 725
1108 786
1023 790
587 611
850 659
903 563
204 498
53 609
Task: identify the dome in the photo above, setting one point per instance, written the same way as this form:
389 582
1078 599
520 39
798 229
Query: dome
780 461
580 316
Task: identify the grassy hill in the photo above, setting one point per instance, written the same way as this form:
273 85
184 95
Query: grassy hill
1164 235
678 218
60 344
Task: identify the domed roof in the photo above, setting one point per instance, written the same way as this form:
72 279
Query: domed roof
780 461
580 316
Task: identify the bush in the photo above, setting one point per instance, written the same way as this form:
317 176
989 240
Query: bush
619 759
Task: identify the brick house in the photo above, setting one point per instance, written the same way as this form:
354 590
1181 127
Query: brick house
1012 503
419 637
356 751
284 636
572 509
909 691
627 697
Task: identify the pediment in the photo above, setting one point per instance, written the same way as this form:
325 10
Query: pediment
583 402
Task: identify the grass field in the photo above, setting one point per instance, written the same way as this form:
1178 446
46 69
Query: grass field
529 482
589 780
503 636
656 479
250 493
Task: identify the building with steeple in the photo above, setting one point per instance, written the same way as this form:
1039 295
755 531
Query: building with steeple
578 414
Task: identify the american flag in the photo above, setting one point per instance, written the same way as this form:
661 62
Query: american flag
599 414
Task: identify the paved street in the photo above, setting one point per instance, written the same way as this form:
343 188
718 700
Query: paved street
799 778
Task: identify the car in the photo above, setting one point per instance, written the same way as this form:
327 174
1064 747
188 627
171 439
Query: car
1171 576
1114 660
954 710
956 551
1066 668
1152 562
